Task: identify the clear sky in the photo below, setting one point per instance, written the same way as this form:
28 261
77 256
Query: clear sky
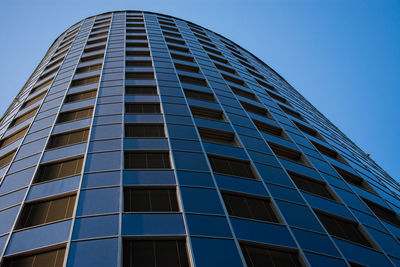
342 55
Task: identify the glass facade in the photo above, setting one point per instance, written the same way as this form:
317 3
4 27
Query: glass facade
145 140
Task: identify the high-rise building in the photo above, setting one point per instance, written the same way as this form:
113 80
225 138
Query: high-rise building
146 140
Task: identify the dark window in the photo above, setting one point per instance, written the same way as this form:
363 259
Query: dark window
178 48
147 160
292 112
141 90
41 212
355 180
139 63
39 87
199 95
24 117
80 96
255 73
343 228
155 253
142 108
383 213
192 80
6 159
256 256
328 152
288 153
231 167
32 101
133 45
254 109
310 185
175 41
216 136
85 81
135 31
75 115
69 138
94 48
150 200
224 68
212 114
233 80
249 207
91 58
53 258
244 93
60 169
207 43
267 128
307 130
144 130
140 75
277 97
262 83
219 59
13 137
88 68
188 68
91 42
137 53
182 57
210 50
175 35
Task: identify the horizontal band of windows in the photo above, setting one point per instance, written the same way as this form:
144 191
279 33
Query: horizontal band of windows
231 166
147 160
150 199
52 257
60 169
144 130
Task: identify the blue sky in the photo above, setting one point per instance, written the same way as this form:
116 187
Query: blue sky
342 55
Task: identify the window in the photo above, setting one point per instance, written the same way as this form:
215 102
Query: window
140 75
20 119
210 50
231 166
206 113
60 169
383 213
254 109
80 96
254 73
94 48
135 31
150 200
218 137
307 130
75 115
13 137
268 128
6 159
249 207
144 130
199 95
139 63
207 43
343 228
219 59
266 85
91 58
288 153
88 68
355 180
174 35
69 138
256 256
277 97
137 53
178 48
154 253
311 185
182 57
175 41
292 113
234 80
192 80
41 212
39 87
224 68
32 101
147 160
96 41
141 90
84 81
142 108
328 152
54 258
244 93
187 68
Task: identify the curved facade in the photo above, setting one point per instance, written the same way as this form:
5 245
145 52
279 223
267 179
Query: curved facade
146 140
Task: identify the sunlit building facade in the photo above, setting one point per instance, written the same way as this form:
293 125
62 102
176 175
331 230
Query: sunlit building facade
146 140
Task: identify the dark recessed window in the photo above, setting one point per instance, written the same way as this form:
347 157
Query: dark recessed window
69 138
88 68
277 97
141 90
252 72
182 57
249 207
307 130
255 109
41 86
256 256
20 119
137 53
139 63
13 137
140 75
96 41
188 68
224 68
210 50
383 213
288 153
32 101
311 185
192 80
136 37
268 128
85 81
178 48
144 130
91 58
343 228
355 180
218 137
328 152
266 85
155 253
244 93
150 200
175 41
199 95
60 169
41 212
80 96
231 166
219 59
147 160
135 45
53 258
75 115
6 159
174 35
94 48
206 113
292 112
142 108
233 80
